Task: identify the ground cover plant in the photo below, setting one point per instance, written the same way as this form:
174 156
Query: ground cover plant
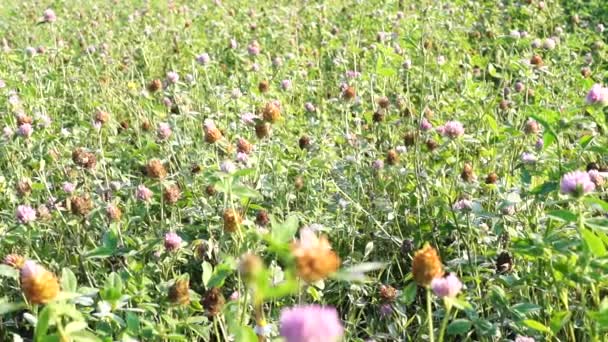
303 171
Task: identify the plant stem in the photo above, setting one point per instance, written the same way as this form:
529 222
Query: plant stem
429 313
444 324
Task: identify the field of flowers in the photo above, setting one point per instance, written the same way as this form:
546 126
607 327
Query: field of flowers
303 171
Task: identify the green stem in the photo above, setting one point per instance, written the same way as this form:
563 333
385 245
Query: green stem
444 323
429 312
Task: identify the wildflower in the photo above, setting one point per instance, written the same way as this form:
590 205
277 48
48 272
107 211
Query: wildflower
203 59
388 293
385 310
262 218
248 118
314 258
7 132
25 130
232 220
113 212
172 77
81 205
83 158
14 261
38 284
155 169
378 164
143 193
576 183
155 85
164 131
244 146
235 296
463 205
101 117
349 93
310 323
540 143
49 16
68 187
242 157
549 44
227 167
452 129
448 286
179 292
520 338
596 177
212 133
172 241
250 265
467 174
25 214
271 112
172 194
392 157
309 107
597 95
426 266
425 125
286 85
213 301
253 48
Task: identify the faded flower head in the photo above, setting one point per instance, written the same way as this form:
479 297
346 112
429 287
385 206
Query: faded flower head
310 323
448 286
14 260
576 183
164 131
49 16
315 260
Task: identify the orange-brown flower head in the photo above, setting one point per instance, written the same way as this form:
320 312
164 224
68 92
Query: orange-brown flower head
213 301
155 169
24 188
492 178
262 218
102 117
467 174
83 158
24 119
537 61
113 213
172 194
262 129
271 112
232 220
392 157
179 292
315 260
388 293
426 266
250 265
349 93
263 86
81 205
14 261
212 133
384 102
155 85
244 146
39 285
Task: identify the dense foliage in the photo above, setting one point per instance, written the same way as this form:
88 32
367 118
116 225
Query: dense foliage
303 170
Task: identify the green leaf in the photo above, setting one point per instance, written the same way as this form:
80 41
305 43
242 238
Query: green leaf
8 272
525 308
242 191
43 322
459 327
563 215
536 325
558 320
9 307
68 280
284 232
207 272
408 295
245 334
594 243
220 274
73 327
596 203
84 336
